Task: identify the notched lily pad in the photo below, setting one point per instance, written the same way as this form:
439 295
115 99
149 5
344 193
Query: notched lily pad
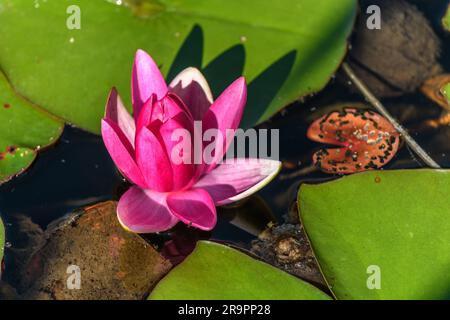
24 129
285 49
113 263
366 141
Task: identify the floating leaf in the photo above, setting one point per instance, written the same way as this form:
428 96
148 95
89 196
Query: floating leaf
217 272
365 141
391 224
286 49
24 129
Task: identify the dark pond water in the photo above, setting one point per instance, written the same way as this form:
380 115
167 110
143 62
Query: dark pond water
78 171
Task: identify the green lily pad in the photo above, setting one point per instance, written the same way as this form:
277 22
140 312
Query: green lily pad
217 272
24 129
286 48
382 235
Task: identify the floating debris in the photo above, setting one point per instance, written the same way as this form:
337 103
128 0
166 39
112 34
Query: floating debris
367 141
287 248
399 58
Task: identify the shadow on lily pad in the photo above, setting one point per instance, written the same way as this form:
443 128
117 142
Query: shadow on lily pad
227 67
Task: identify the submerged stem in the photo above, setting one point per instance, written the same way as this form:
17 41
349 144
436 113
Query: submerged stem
421 153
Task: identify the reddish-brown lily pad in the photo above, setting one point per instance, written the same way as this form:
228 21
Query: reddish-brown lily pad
90 244
364 138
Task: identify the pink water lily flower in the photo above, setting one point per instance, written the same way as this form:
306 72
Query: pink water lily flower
165 192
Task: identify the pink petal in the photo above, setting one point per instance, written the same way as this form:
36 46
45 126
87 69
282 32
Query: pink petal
237 179
183 171
159 111
194 207
191 86
169 107
180 104
169 119
146 80
153 161
117 113
145 211
121 151
226 113
145 115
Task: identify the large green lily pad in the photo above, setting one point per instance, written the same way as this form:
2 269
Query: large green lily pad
217 272
286 48
391 224
24 129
